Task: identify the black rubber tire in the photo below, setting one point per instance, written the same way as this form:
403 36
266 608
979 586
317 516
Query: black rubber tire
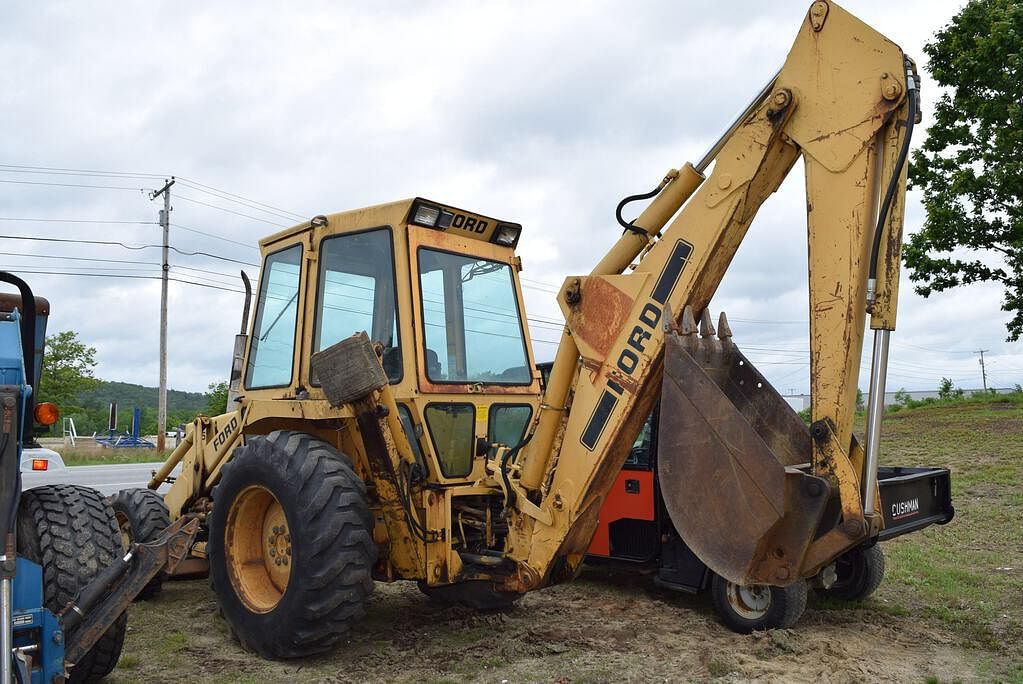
476 594
860 572
333 553
72 533
784 610
143 516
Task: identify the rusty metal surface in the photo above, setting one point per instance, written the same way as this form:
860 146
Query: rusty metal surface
729 494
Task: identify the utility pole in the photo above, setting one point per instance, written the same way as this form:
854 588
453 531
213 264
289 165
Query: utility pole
161 414
983 370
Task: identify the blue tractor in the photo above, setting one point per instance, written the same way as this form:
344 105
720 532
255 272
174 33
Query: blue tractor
67 574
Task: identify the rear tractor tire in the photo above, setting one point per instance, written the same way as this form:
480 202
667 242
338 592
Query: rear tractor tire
755 608
476 594
142 517
290 548
72 533
859 571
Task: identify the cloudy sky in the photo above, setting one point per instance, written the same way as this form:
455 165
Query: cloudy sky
268 113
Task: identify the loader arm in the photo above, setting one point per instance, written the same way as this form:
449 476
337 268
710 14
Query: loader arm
841 102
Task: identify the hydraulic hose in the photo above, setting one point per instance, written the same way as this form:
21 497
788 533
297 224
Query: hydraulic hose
627 225
913 95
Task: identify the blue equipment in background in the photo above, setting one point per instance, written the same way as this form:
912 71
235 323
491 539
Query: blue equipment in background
125 440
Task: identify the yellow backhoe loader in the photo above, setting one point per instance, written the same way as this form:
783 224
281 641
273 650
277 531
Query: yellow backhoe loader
386 419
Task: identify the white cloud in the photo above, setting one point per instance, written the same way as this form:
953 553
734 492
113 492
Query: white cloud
542 113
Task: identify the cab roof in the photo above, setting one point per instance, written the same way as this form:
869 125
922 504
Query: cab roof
398 215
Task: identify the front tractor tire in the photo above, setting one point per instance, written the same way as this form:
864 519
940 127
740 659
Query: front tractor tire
755 608
72 533
142 517
290 547
859 573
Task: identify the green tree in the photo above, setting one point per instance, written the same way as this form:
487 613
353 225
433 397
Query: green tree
216 398
971 166
947 390
68 365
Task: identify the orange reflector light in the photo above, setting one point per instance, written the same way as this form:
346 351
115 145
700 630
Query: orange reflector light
47 413
40 464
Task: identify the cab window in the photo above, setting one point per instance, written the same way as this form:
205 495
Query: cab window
641 455
508 423
272 348
451 429
472 330
356 293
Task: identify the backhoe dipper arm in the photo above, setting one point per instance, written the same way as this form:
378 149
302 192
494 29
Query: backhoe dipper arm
840 101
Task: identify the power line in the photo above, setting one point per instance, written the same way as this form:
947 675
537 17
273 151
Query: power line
85 268
131 277
192 183
216 237
116 243
60 171
72 258
63 220
232 211
239 199
73 185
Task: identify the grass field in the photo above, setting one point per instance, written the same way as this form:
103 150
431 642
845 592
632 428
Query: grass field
950 608
968 575
95 455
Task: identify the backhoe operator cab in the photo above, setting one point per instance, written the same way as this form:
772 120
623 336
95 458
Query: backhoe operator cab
455 353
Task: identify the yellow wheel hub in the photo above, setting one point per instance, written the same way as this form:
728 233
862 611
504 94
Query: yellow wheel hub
258 548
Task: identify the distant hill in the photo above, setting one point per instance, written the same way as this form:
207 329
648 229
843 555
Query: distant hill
181 407
128 396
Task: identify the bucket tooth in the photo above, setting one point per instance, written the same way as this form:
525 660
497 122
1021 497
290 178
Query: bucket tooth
688 321
670 324
706 327
724 332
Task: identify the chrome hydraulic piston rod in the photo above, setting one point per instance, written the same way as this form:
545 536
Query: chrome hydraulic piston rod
875 409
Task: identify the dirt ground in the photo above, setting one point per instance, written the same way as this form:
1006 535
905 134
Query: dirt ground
604 627
950 608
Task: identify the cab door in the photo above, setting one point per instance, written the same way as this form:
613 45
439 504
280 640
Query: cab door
627 527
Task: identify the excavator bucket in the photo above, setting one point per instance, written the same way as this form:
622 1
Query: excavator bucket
733 459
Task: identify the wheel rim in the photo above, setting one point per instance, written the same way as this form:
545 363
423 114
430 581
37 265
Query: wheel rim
257 547
124 526
751 602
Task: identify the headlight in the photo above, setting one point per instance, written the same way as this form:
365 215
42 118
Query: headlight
506 234
425 215
431 216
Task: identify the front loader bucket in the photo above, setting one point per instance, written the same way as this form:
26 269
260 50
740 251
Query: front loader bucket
728 447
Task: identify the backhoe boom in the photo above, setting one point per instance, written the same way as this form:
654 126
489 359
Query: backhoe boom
838 102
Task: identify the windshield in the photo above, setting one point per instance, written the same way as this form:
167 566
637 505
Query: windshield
471 324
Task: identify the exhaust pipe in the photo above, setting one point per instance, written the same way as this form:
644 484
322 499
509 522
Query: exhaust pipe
235 384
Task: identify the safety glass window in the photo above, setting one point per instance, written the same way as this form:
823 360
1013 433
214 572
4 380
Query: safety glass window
409 426
471 324
451 429
508 423
356 293
272 349
640 455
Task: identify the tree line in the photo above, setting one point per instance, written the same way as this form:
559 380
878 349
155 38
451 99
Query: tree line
68 380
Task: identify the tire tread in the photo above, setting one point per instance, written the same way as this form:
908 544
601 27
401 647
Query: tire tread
334 523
